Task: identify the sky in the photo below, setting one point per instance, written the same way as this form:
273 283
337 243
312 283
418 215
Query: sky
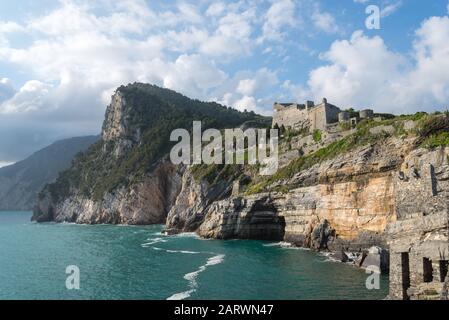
60 61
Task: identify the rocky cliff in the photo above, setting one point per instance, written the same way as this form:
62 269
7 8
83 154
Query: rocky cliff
126 177
345 202
145 202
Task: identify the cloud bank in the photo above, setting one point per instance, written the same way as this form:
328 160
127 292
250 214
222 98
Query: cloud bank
75 55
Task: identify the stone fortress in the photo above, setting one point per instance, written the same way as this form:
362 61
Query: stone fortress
314 117
416 254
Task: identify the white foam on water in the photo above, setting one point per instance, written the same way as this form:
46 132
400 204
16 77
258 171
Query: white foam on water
152 241
186 235
159 233
181 295
191 277
215 260
177 251
183 251
278 244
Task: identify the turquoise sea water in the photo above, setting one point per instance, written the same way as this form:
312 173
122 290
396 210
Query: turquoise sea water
127 262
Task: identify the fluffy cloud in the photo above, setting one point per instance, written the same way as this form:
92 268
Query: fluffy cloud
280 14
390 8
249 91
31 97
71 59
215 9
77 57
325 22
6 89
363 71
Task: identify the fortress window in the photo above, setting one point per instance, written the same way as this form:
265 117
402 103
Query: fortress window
443 269
405 266
427 270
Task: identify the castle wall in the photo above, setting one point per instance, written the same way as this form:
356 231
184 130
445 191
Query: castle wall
332 113
314 117
317 117
419 238
322 115
291 117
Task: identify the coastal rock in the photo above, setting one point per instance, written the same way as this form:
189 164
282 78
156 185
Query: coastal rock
194 198
146 202
320 235
340 256
252 218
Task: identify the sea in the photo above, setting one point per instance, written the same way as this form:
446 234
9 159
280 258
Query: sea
81 262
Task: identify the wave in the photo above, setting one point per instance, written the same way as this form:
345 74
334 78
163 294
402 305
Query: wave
186 235
191 277
285 245
181 295
282 244
152 241
177 251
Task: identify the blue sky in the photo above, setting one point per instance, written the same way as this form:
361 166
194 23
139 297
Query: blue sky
60 61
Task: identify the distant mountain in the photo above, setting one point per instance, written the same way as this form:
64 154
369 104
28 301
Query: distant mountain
21 182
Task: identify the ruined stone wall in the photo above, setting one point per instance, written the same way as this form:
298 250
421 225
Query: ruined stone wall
291 117
419 239
332 113
317 117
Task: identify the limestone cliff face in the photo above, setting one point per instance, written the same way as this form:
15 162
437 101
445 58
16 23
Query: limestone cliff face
117 131
146 202
187 213
345 202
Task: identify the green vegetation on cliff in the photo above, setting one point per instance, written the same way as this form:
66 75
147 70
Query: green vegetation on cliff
432 131
151 113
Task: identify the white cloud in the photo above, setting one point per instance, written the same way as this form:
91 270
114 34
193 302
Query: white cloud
10 27
31 97
325 22
77 57
215 9
280 14
232 36
363 71
6 89
245 103
246 86
249 90
193 75
390 9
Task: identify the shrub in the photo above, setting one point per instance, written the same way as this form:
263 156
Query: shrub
317 135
